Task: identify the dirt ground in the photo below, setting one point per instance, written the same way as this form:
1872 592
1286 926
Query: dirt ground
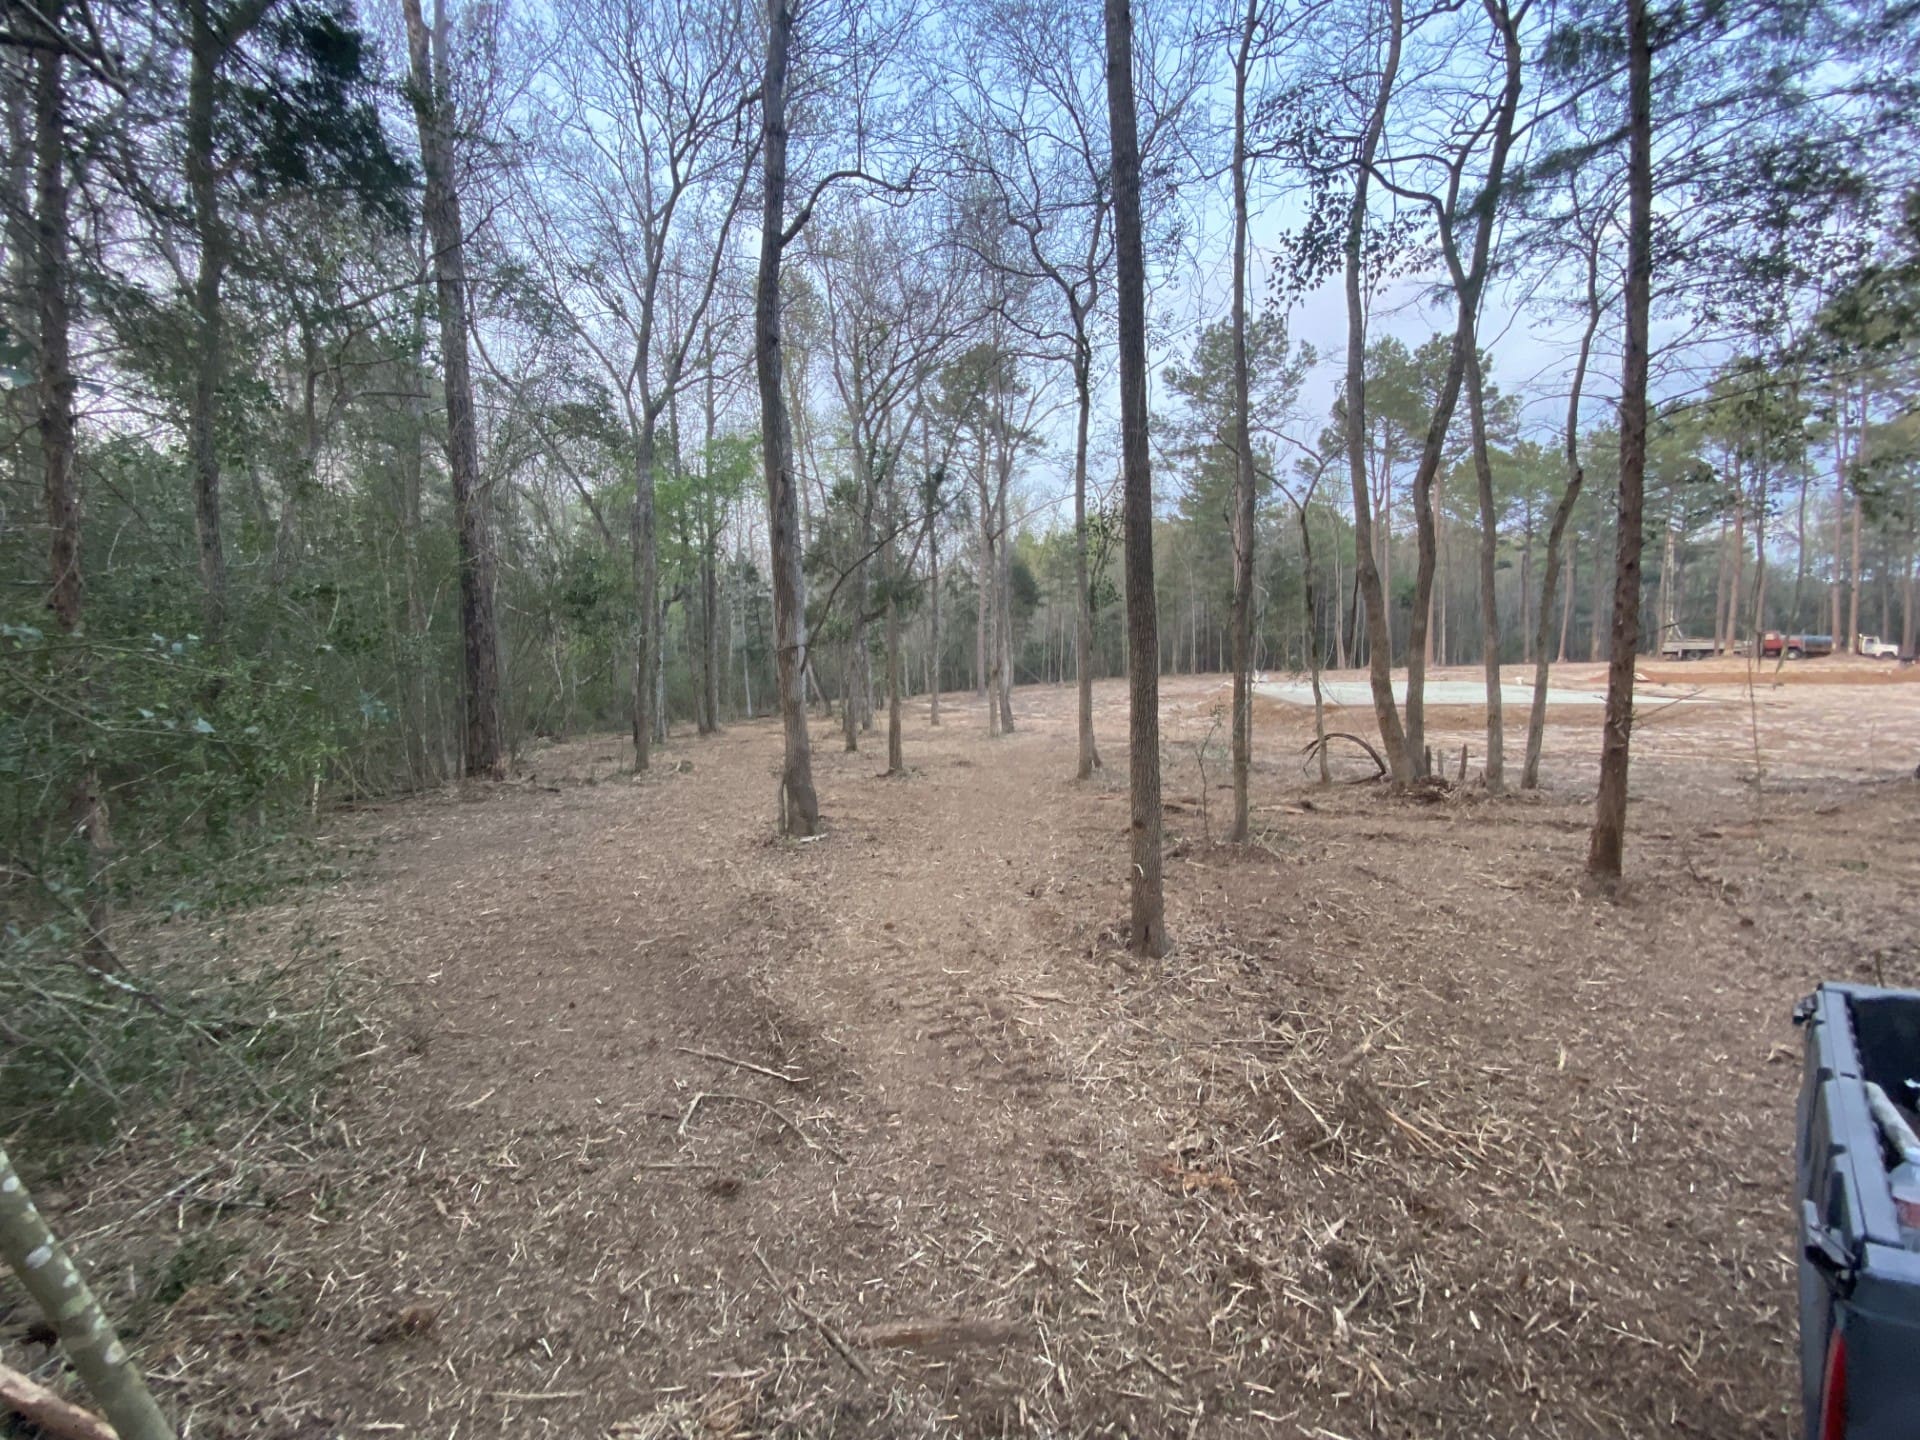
672 1129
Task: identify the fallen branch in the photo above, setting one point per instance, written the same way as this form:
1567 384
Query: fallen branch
805 1139
1314 746
832 1337
40 1406
742 1065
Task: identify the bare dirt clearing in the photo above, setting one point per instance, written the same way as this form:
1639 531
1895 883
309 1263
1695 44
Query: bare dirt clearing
676 1130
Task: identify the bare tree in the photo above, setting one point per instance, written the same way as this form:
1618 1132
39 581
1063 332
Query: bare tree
893 307
864 48
431 93
1039 145
1372 592
629 217
1463 211
1148 928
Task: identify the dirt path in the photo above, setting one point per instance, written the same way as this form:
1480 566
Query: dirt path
1406 1137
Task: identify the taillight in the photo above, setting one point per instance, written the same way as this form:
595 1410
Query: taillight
1833 1395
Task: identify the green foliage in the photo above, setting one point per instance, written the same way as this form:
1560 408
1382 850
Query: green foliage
208 1031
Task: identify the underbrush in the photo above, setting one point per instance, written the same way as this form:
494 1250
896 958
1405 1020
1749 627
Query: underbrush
199 1018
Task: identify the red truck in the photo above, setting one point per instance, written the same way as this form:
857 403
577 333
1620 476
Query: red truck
1795 647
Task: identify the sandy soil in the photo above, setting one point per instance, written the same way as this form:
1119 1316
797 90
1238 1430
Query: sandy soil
678 1130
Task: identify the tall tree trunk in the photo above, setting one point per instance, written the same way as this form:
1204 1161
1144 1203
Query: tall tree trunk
1003 612
896 750
411 473
54 421
1148 926
1727 626
799 807
852 714
483 752
1842 490
933 619
1243 482
1556 532
1088 752
709 632
54 1283
207 49
1607 848
1468 276
983 597
1339 612
1313 647
1489 557
1851 641
711 519
1526 582
1597 622
646 590
1908 586
1371 591
1720 584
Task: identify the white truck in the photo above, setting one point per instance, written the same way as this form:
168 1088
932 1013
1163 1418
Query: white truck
1874 648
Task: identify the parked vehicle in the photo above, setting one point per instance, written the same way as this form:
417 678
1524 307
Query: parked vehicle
1795 647
1859 1194
1684 648
1874 648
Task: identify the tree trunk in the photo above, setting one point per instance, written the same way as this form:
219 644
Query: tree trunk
711 519
431 95
1607 848
1003 610
933 621
1602 609
1089 754
1243 483
1851 640
854 714
1339 612
1148 926
1469 281
1907 589
1841 491
1489 556
896 752
983 598
1727 626
1379 647
53 1282
54 422
646 592
1556 532
799 807
207 48
1313 650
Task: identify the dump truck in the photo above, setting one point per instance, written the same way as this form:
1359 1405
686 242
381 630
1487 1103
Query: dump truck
1858 1189
1773 644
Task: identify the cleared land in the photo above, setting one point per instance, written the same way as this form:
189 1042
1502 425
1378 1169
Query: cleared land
673 1129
